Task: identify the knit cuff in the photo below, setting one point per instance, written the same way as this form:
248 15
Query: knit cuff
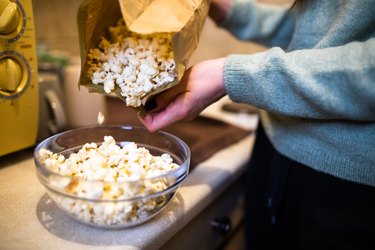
241 75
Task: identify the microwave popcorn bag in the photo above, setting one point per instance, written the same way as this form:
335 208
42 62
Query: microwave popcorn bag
137 48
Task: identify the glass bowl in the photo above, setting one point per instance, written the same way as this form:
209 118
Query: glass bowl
135 201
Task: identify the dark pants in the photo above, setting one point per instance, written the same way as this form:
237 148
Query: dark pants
291 206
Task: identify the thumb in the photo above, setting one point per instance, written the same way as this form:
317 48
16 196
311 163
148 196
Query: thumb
162 100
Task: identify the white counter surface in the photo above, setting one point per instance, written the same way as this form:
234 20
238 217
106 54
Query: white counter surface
30 220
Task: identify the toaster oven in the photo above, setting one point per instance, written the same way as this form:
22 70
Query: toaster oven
18 76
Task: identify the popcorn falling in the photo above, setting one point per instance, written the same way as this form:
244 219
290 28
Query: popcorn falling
137 64
101 118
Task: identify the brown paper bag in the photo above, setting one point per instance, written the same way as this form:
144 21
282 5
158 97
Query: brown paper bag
183 19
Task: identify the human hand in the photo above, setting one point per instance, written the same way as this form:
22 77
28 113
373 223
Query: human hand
201 85
219 9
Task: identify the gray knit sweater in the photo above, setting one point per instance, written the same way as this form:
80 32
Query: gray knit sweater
316 83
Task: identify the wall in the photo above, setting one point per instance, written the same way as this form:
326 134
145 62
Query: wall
56 24
56 27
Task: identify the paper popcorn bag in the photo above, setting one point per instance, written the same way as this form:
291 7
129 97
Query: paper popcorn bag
181 20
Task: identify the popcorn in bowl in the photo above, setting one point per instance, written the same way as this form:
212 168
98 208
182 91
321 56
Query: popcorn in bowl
108 184
135 64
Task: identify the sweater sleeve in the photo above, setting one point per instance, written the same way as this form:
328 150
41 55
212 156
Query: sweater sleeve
328 83
270 25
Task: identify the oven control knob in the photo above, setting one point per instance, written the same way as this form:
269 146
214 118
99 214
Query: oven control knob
10 75
9 16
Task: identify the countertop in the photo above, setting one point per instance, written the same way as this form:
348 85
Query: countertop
30 220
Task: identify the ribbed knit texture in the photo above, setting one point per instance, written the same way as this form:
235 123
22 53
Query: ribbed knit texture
317 82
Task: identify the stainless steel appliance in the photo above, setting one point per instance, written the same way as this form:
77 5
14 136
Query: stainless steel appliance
52 112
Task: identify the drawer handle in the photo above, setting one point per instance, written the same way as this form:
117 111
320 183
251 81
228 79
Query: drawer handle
222 225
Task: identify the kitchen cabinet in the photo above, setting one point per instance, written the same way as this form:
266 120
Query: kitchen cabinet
219 226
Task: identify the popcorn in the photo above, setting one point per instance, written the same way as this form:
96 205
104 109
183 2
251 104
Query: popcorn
136 64
111 173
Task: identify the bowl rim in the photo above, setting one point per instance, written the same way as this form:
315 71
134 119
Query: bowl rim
41 167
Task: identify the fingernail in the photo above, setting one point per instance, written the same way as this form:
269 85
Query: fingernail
141 112
150 105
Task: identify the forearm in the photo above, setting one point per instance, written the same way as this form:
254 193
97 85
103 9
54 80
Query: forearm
331 83
270 25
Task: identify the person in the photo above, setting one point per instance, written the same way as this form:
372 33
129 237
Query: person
311 178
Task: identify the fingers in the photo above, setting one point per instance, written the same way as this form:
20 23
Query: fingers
200 86
219 10
166 107
175 111
162 100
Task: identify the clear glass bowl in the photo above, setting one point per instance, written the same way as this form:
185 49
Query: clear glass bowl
115 212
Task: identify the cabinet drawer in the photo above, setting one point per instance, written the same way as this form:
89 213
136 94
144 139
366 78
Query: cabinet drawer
219 226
